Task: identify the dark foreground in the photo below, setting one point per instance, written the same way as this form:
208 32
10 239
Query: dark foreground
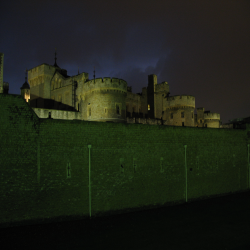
218 223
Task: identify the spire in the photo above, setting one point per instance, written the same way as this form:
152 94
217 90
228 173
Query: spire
26 72
55 65
94 73
25 85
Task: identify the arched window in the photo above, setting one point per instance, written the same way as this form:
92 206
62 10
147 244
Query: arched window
148 107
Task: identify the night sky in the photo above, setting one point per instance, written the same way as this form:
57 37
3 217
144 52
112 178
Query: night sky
200 47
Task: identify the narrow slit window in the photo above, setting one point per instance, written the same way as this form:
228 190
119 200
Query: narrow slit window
122 165
161 165
135 165
68 170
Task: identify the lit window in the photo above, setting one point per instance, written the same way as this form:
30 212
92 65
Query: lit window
148 107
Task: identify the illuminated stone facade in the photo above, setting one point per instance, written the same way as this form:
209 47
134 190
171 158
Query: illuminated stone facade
110 99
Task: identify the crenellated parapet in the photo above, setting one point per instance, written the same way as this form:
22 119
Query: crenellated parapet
212 116
106 83
180 101
104 99
40 74
162 87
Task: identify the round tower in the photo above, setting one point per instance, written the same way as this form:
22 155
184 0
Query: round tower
211 120
179 110
104 100
25 89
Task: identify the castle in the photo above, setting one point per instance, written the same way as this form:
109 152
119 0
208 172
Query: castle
76 166
54 94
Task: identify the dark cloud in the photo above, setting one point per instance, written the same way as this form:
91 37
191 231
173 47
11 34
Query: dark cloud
200 48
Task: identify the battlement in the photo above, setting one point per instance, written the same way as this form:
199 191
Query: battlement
44 69
133 96
200 109
106 83
181 100
162 87
40 70
211 116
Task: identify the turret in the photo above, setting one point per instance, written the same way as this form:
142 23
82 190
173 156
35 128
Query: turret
104 99
179 110
25 89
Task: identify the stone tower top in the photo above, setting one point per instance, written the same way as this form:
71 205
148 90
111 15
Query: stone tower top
106 83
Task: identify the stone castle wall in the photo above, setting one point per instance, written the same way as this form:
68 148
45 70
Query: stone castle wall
181 101
162 87
45 165
39 79
213 116
57 114
106 83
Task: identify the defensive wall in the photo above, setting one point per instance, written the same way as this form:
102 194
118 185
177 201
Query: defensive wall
105 83
162 87
180 101
57 114
66 169
214 116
